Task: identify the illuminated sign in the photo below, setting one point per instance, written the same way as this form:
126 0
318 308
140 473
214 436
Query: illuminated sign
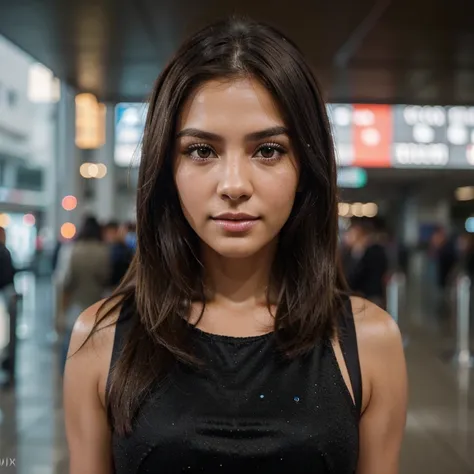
372 133
460 136
363 134
90 122
470 225
419 137
351 177
403 136
129 125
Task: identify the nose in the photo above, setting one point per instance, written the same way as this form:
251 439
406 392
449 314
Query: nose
235 183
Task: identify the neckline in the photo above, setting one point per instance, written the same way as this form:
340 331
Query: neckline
226 338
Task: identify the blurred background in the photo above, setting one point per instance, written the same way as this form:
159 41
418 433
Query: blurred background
399 80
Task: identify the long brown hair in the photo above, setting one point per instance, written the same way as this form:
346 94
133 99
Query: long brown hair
166 275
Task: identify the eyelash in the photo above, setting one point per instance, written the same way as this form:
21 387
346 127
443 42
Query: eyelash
275 146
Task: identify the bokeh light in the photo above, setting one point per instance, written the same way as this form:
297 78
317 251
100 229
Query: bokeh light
465 193
93 170
69 203
357 209
370 209
29 220
84 170
102 171
344 209
68 230
4 220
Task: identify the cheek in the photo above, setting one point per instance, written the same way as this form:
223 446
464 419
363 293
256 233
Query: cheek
192 193
278 192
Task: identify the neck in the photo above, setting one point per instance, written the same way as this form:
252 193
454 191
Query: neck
238 281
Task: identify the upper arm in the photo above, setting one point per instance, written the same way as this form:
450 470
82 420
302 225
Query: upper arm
383 367
87 429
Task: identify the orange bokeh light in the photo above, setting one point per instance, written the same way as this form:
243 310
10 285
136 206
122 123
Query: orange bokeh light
69 203
4 220
68 230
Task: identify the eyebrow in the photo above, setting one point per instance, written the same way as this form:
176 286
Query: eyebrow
252 137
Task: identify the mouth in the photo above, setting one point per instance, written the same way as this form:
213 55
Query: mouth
235 222
235 216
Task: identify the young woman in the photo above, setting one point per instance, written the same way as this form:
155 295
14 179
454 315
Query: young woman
231 346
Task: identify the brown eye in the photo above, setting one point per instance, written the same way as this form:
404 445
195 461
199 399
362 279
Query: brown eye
270 152
200 152
203 152
267 151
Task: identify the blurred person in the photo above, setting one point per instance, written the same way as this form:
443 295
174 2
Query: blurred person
110 232
7 269
55 254
82 275
367 268
231 346
130 230
442 250
380 232
465 253
120 253
466 262
7 288
463 250
442 254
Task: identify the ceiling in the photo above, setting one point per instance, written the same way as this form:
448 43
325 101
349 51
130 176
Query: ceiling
398 51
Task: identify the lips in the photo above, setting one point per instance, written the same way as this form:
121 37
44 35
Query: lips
235 222
235 216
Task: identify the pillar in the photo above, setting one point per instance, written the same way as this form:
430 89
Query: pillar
67 179
105 188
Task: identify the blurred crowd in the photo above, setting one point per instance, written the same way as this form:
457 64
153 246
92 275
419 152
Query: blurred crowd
85 270
369 255
448 257
89 268
365 254
451 255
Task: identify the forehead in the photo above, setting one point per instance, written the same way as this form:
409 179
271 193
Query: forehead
230 105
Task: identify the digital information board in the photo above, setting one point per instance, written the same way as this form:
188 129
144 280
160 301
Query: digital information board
403 136
366 135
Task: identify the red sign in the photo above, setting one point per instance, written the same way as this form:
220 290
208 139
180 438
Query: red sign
372 134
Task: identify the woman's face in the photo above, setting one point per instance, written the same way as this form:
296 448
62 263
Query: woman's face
235 169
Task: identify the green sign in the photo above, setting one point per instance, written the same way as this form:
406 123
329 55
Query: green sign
351 177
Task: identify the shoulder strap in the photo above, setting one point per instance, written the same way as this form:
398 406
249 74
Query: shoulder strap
348 342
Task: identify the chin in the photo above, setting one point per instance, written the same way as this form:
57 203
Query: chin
233 248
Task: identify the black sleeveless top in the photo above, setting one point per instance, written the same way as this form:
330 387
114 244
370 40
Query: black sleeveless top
249 411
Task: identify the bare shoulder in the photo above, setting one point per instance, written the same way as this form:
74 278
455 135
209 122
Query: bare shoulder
91 345
385 388
381 353
87 428
376 329
95 325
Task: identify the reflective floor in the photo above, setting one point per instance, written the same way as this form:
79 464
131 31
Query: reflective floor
440 428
